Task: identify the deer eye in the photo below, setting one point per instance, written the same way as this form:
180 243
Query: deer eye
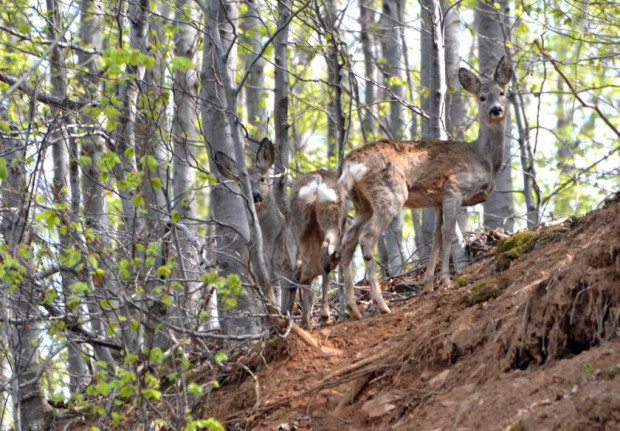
262 180
482 98
502 93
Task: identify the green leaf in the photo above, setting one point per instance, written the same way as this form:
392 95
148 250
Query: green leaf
164 271
3 171
85 161
176 217
150 394
156 355
195 389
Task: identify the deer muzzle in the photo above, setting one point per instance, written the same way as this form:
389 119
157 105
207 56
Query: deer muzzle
496 111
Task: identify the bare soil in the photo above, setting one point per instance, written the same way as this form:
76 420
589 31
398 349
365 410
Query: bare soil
535 347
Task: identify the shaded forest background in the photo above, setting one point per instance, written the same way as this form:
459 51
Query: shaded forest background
126 256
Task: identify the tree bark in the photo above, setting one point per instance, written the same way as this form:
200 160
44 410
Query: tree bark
31 411
60 156
455 114
434 90
232 208
499 208
254 64
95 206
281 102
390 250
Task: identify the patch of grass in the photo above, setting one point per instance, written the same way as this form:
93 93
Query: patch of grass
485 290
463 280
612 372
519 426
588 369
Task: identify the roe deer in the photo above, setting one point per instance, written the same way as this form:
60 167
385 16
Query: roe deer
303 243
383 177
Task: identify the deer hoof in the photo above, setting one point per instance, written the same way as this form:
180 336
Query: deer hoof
354 312
444 281
382 306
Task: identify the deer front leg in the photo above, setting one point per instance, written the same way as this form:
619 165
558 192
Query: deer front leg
325 312
451 204
429 275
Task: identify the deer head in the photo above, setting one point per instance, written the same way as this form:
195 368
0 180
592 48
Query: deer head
262 194
492 95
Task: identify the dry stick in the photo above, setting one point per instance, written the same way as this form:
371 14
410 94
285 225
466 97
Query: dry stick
585 104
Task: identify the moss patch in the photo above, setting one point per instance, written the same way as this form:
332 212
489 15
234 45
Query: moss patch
522 243
612 372
485 290
463 280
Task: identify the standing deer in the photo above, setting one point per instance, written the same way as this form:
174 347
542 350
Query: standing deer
303 243
383 177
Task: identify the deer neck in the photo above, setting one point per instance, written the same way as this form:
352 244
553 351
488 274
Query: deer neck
490 144
272 224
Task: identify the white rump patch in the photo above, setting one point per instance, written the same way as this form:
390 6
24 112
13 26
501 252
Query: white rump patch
357 170
309 192
352 173
326 193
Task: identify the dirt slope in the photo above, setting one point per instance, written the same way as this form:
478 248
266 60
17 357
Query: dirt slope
534 347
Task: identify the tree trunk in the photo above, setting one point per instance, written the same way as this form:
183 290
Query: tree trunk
184 162
254 64
60 155
95 207
455 114
367 40
390 241
280 109
232 209
499 208
434 90
31 411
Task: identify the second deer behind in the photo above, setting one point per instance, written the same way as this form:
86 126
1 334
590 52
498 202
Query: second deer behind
303 243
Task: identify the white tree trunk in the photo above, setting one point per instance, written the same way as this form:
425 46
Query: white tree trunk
231 211
60 155
31 411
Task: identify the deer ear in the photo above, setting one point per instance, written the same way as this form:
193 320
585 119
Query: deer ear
503 72
226 165
265 155
469 81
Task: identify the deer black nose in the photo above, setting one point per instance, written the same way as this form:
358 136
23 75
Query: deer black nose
257 198
495 111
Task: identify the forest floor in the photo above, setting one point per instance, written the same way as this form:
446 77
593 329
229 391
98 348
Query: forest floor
533 347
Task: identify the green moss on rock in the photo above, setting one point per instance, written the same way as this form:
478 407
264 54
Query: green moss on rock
485 290
522 243
463 280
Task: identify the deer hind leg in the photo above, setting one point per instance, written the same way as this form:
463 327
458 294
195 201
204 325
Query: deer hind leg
325 312
307 296
349 242
429 276
451 205
368 239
